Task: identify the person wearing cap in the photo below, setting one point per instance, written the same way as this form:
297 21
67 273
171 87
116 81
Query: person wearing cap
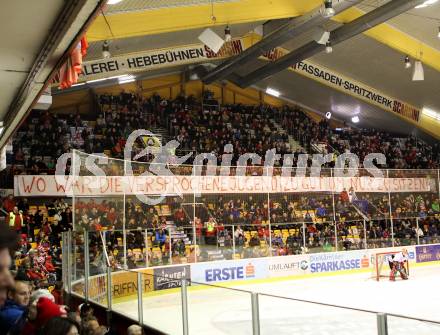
42 308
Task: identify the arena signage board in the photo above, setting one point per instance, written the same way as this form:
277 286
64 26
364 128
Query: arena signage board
97 288
289 265
45 185
123 284
197 53
160 58
170 277
339 261
349 86
224 271
428 253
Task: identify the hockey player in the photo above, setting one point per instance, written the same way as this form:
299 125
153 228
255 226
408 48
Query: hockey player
397 264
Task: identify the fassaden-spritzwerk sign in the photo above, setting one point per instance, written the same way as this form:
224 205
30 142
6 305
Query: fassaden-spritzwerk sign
348 85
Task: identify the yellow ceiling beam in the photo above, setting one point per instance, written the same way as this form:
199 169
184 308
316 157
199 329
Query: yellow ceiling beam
165 20
396 39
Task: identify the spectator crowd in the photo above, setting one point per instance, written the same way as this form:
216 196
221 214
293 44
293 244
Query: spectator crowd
204 129
31 287
219 227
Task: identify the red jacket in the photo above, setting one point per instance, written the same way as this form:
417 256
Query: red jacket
344 196
8 204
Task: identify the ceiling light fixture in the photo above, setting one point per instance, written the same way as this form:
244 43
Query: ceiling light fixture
113 2
328 47
418 73
228 35
95 80
426 4
328 10
103 79
328 115
431 113
1 127
273 92
126 79
106 49
355 119
407 62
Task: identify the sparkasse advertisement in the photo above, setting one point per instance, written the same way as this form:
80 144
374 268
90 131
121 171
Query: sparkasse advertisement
330 262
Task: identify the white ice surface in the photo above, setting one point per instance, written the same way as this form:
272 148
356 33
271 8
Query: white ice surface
224 311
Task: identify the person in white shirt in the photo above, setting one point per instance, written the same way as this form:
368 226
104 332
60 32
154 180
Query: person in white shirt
352 195
397 264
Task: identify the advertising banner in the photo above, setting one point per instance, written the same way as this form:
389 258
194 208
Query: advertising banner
159 58
98 288
428 253
170 277
289 265
348 85
339 261
125 283
216 272
44 185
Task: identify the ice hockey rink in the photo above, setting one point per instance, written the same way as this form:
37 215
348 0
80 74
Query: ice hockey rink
226 311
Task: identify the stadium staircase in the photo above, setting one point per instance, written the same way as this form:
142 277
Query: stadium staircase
213 253
177 234
293 144
162 133
360 212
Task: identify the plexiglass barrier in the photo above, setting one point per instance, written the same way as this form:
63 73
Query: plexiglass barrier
283 213
398 325
171 303
266 212
301 317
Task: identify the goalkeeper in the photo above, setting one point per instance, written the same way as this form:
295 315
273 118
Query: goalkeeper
397 264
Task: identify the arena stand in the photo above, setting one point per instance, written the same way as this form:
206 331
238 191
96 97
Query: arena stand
246 127
184 119
218 227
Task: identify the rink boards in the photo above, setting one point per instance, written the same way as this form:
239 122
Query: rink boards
166 279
